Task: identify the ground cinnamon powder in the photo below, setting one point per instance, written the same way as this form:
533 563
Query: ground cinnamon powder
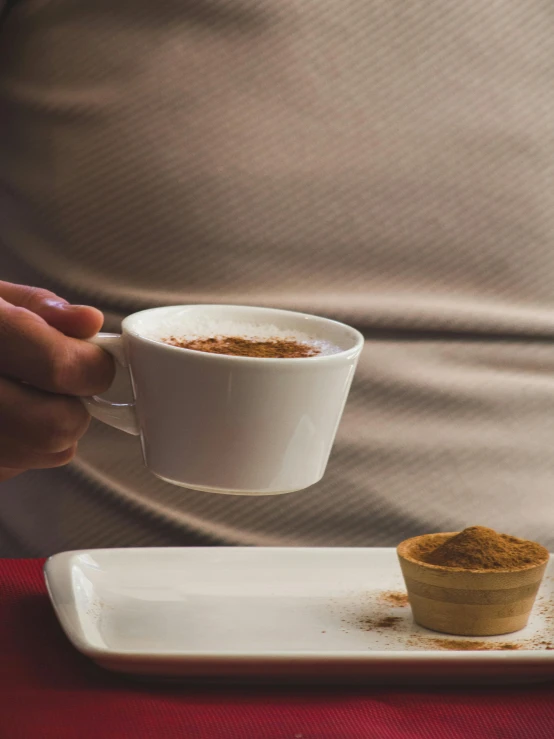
457 645
238 346
385 622
480 548
394 598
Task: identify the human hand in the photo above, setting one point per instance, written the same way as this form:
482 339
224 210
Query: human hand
44 365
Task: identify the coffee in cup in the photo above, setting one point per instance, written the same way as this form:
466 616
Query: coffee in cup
265 341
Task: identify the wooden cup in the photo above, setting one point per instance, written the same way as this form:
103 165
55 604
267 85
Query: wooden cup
468 602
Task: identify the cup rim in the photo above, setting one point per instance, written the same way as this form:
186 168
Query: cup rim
339 356
403 552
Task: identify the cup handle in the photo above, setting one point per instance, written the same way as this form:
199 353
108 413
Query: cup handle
121 416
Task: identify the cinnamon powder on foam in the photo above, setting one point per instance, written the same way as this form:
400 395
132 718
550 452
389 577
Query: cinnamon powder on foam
239 346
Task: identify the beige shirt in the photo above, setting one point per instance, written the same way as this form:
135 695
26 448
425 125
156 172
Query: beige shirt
387 164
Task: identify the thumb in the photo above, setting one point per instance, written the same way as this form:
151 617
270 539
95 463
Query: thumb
78 321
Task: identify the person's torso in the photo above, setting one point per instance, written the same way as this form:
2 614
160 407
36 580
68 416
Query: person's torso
391 165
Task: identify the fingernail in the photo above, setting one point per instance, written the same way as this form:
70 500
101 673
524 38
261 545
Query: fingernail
64 305
70 307
56 304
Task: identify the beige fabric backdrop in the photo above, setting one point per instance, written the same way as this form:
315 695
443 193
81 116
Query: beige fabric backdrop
389 164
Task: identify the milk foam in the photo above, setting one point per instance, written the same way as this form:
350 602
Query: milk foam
203 327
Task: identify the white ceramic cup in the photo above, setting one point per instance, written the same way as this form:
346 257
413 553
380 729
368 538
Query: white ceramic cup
229 424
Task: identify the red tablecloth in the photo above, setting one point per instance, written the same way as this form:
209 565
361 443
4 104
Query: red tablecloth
49 691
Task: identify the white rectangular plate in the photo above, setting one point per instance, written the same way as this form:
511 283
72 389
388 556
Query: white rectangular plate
270 613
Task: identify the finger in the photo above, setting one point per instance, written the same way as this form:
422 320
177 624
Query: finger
20 457
37 422
79 321
38 354
6 473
